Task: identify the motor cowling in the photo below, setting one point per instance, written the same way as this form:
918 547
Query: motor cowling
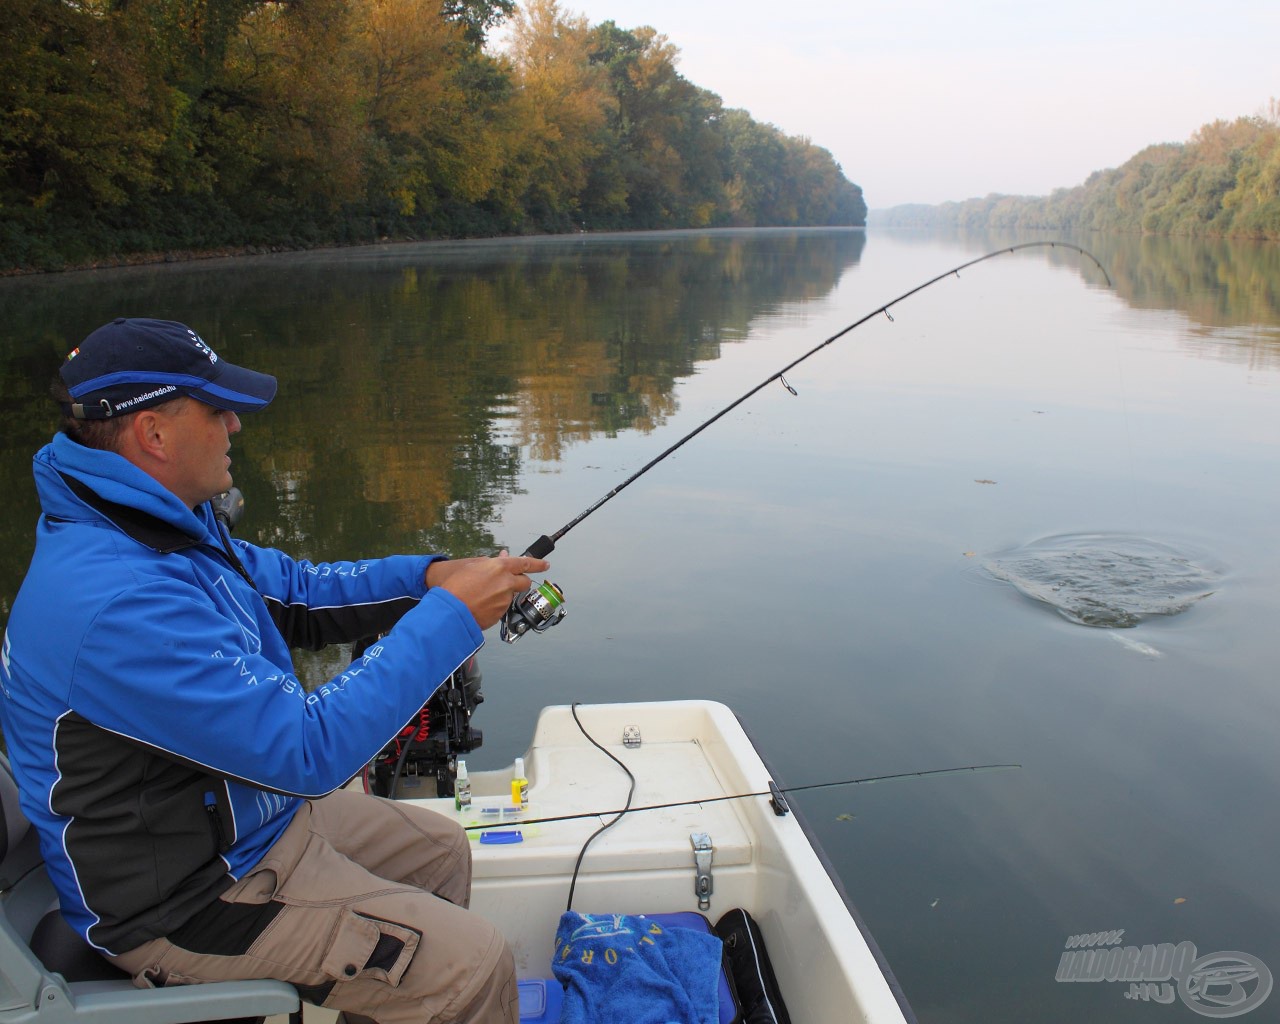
422 759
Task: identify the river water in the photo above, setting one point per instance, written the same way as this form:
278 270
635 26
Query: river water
884 573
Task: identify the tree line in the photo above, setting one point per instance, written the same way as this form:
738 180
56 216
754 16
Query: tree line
1224 182
136 126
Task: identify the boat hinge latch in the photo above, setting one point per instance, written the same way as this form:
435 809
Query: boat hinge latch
702 853
631 737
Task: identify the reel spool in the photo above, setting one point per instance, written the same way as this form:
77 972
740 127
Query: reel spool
536 610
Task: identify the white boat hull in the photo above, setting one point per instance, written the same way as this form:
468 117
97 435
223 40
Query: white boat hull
827 969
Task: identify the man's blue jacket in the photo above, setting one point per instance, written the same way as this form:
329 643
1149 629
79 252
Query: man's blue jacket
160 738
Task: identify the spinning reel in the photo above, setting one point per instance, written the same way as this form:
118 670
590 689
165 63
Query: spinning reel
536 610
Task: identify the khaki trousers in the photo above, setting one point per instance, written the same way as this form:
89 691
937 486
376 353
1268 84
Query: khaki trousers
363 900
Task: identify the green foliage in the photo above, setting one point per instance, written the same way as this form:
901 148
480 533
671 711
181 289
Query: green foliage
1224 182
477 16
149 126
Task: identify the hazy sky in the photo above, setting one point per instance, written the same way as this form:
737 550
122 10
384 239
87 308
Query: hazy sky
930 100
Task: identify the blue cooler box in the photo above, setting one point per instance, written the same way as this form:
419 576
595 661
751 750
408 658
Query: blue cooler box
540 1000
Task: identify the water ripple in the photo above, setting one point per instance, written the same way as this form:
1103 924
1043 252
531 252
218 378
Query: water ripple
1111 581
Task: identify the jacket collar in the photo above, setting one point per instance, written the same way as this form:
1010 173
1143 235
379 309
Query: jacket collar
75 482
141 526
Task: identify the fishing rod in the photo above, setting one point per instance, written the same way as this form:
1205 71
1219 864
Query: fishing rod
542 606
774 792
509 830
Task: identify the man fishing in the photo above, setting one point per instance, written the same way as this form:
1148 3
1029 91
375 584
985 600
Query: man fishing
186 788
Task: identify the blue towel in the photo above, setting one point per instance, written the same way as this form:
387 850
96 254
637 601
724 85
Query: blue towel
631 970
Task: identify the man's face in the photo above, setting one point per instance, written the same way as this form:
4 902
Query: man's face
201 438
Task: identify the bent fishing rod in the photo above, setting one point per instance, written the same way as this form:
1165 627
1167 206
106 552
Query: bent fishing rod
542 606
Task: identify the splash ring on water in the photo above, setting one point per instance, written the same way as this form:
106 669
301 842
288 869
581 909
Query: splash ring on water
1111 581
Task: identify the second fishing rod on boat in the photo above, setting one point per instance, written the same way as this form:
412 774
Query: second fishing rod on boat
542 605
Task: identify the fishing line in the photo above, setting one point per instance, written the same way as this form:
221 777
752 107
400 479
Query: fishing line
545 544
543 605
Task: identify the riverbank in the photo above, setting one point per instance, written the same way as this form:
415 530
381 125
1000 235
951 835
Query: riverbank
141 259
145 258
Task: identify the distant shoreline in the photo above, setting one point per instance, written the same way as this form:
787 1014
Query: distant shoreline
145 259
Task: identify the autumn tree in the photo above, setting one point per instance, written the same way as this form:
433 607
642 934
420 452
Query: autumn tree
74 123
665 154
565 106
135 125
1223 182
406 55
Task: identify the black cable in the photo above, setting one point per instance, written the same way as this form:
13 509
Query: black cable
395 776
573 882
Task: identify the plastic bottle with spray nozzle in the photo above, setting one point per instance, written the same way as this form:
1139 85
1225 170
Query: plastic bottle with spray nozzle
519 786
462 787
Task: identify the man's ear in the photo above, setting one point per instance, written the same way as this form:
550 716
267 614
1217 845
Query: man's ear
148 434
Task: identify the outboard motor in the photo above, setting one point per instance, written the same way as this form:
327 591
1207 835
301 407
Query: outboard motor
422 760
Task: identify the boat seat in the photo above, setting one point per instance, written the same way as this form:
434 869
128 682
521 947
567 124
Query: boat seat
63 951
50 975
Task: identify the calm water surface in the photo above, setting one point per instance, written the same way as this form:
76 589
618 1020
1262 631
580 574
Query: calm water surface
820 562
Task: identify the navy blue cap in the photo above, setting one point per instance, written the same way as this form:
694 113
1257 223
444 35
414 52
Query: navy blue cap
132 364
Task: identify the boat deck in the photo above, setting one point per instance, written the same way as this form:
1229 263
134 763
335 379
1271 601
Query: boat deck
644 863
690 753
